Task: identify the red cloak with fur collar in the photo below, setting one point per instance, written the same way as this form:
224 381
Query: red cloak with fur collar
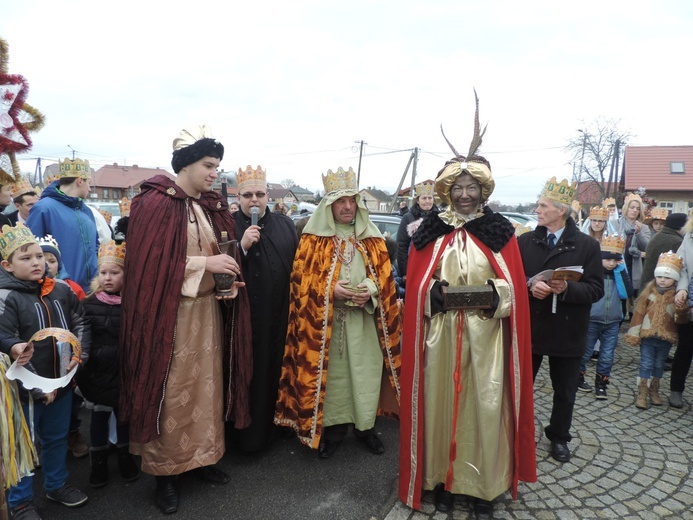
154 272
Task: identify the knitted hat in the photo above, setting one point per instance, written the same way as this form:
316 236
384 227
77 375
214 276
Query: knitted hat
676 221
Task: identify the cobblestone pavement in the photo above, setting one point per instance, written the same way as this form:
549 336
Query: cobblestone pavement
625 462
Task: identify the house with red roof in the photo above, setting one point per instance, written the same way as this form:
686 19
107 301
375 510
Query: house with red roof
112 182
666 173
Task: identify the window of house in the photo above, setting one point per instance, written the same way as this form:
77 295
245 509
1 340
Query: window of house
105 193
666 205
677 167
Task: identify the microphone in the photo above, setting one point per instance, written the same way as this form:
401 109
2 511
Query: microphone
253 215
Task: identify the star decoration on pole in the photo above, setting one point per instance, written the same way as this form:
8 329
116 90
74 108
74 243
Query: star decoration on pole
17 119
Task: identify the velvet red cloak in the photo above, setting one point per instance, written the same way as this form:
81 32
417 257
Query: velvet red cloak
412 379
154 272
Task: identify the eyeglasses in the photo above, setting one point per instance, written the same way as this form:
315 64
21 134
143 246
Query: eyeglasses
250 195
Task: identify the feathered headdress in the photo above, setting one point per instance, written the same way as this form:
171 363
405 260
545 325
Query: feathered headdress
473 164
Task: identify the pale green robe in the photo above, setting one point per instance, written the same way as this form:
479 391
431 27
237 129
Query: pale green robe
356 361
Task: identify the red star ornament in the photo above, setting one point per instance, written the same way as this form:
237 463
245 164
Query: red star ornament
17 119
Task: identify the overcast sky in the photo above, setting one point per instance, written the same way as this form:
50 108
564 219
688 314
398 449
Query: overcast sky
293 85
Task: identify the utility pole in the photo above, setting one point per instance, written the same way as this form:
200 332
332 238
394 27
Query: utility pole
73 151
613 172
413 176
401 181
358 174
38 176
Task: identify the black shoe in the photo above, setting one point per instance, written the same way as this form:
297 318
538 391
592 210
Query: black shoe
166 496
99 468
212 474
373 443
327 448
583 386
600 392
444 500
127 464
483 509
24 511
559 451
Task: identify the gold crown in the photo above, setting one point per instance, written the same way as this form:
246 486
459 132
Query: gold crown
425 189
576 205
107 215
610 201
658 213
22 188
124 205
630 198
70 168
113 253
340 180
599 213
251 177
560 192
14 237
613 244
50 179
670 260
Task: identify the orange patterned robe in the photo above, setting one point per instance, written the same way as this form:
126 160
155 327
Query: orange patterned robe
306 358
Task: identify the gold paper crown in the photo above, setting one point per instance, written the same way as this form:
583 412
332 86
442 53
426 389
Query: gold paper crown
339 180
599 213
251 177
659 213
124 205
70 168
609 202
106 215
113 253
670 260
630 198
50 179
560 192
576 205
14 237
22 188
613 244
425 189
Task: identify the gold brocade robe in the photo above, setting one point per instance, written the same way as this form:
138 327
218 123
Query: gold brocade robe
191 417
484 431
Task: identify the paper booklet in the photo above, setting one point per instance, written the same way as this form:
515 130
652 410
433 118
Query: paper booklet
571 273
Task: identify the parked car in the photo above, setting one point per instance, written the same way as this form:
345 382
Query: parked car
521 218
386 223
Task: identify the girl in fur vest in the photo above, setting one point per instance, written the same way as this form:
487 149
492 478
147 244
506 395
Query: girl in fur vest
99 381
653 327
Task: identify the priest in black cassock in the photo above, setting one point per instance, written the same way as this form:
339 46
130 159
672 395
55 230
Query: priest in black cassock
267 252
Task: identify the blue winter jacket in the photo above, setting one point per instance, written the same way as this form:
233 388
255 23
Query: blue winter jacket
72 224
617 287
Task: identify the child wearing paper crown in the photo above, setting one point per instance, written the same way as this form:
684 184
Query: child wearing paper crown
30 302
653 327
99 381
55 266
606 315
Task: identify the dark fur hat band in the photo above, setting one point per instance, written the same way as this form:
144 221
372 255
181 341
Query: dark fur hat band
205 147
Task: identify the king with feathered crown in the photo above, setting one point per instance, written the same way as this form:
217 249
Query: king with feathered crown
112 253
341 180
14 237
560 192
74 168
